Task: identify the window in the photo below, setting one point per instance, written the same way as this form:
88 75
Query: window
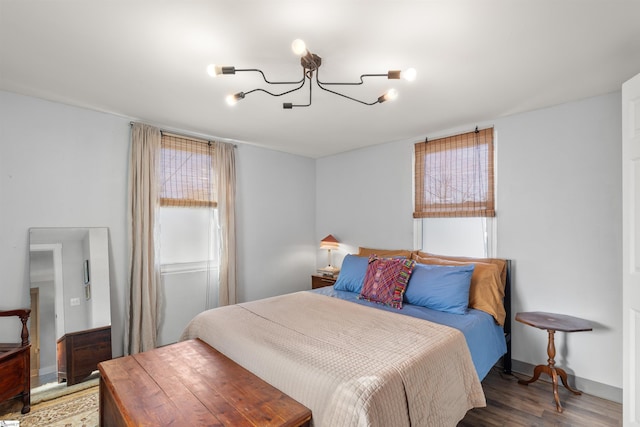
189 237
187 172
458 236
454 176
187 202
454 194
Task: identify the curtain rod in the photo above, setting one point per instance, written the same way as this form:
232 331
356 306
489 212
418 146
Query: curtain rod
476 130
184 135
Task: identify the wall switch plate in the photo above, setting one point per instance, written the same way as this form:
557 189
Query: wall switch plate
75 301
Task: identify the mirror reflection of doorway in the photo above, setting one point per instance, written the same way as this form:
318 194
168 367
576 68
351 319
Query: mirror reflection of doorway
34 333
70 324
45 275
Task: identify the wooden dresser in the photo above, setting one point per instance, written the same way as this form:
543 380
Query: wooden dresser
191 384
80 352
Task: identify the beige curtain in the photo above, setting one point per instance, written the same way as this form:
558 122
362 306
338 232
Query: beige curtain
144 268
225 170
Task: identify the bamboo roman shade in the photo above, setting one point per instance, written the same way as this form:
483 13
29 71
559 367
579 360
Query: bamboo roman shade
187 172
454 176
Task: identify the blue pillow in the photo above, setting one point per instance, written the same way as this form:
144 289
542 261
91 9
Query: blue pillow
440 287
352 274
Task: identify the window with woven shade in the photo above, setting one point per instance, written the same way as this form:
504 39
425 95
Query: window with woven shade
187 172
454 176
189 230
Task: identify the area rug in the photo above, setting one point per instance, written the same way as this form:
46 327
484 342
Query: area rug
79 409
54 390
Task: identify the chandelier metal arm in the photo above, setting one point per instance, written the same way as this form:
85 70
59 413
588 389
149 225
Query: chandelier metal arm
346 96
301 83
277 94
343 95
270 82
289 105
354 83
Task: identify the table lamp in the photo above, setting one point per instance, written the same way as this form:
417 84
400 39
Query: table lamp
329 243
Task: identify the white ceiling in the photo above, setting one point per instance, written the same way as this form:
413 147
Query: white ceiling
476 61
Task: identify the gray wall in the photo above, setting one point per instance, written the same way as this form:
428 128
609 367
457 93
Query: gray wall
63 166
559 211
559 220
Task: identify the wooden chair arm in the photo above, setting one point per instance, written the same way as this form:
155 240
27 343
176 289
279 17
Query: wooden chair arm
19 312
8 352
23 314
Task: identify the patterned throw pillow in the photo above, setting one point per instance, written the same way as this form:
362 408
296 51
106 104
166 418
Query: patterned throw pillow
386 280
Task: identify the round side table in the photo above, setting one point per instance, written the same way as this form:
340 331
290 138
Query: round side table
553 322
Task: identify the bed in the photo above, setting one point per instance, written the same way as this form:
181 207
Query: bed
356 361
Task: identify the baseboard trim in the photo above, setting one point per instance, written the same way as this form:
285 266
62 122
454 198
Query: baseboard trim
593 388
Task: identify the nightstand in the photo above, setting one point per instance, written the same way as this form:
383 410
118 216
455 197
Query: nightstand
318 281
553 322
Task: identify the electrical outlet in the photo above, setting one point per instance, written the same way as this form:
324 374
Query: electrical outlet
75 301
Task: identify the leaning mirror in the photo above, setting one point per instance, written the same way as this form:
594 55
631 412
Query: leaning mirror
70 303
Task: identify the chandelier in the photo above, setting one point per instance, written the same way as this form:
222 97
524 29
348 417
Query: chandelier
310 67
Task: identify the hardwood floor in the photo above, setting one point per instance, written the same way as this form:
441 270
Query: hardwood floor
511 404
43 379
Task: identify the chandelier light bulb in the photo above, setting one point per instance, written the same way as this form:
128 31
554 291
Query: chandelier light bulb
299 47
409 74
391 95
214 70
233 99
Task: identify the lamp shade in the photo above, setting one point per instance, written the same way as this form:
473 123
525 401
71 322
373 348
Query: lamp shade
329 242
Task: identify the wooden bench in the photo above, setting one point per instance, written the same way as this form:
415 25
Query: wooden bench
190 384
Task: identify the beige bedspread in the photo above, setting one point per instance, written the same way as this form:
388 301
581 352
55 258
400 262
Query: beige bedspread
352 365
